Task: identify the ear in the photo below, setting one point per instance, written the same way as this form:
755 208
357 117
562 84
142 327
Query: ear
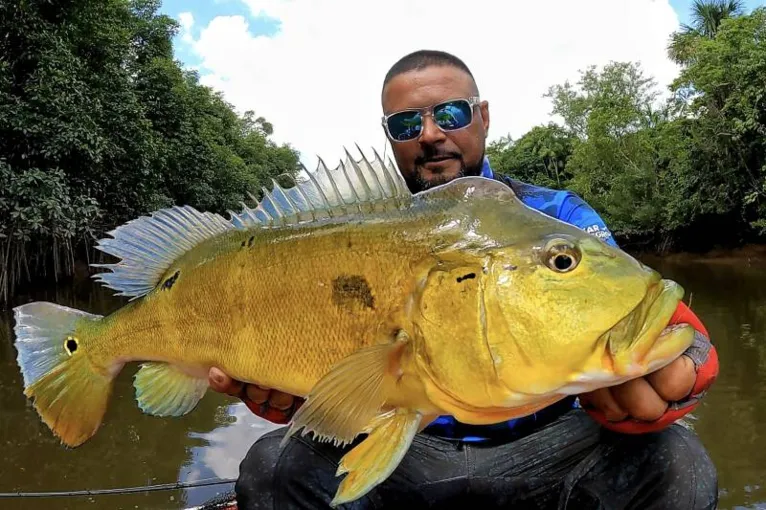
484 109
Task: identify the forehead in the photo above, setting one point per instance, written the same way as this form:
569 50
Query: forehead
424 87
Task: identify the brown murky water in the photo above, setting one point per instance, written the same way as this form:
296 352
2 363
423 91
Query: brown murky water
132 449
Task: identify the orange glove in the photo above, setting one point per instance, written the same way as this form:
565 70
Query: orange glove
705 358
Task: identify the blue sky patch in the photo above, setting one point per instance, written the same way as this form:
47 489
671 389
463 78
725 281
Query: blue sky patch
684 7
204 11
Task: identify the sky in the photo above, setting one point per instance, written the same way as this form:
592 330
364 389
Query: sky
314 68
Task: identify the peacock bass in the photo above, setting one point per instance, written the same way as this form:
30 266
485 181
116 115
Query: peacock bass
383 308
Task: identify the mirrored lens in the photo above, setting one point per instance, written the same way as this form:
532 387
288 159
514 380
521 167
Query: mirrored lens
453 115
405 125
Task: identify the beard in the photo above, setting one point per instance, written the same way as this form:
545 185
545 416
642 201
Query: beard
417 183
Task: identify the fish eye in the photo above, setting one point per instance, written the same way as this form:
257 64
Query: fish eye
562 256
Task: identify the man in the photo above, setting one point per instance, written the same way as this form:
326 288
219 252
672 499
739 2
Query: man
559 457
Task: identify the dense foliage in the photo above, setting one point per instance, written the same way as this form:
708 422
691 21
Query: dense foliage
98 124
686 170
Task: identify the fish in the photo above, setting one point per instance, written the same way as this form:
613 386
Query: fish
384 309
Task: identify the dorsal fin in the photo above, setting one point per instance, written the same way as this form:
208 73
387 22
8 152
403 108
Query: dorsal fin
353 186
148 246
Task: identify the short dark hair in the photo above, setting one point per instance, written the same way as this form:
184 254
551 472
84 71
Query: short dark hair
425 58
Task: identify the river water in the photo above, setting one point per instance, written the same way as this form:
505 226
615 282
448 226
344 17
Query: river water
132 449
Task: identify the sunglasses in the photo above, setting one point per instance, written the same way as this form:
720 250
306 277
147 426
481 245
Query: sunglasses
449 115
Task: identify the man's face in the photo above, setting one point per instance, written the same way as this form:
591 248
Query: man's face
436 156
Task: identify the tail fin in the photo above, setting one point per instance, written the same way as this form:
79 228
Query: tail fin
69 393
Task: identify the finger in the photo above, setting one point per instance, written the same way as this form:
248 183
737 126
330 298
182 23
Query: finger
257 394
675 381
640 400
281 401
222 383
602 400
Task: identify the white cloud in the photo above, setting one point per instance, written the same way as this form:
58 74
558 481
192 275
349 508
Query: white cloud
186 19
318 80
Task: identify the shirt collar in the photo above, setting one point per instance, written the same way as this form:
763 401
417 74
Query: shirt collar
486 169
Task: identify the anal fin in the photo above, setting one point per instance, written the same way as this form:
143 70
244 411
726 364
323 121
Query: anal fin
165 390
378 455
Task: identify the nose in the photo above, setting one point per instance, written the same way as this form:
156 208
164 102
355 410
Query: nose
431 133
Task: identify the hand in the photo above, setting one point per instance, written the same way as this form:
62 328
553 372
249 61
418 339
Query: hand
645 398
272 405
653 402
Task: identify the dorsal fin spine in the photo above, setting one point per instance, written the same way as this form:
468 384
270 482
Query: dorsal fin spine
338 195
279 213
360 175
391 179
300 190
368 166
322 194
360 189
357 200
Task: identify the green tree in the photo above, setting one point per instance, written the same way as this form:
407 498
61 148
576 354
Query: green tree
706 18
539 156
617 162
98 124
720 94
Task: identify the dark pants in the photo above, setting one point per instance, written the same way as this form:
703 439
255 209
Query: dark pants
571 463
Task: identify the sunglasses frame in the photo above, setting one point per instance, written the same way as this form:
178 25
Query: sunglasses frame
473 101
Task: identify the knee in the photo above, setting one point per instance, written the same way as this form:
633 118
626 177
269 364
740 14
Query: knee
256 472
685 469
300 475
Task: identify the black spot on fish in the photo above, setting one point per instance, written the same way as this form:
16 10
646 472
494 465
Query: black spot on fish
466 277
243 244
171 281
348 291
250 241
71 345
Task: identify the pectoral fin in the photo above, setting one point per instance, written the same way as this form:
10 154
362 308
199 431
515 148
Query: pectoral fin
375 458
350 396
165 390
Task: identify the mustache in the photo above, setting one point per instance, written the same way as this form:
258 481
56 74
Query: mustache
430 153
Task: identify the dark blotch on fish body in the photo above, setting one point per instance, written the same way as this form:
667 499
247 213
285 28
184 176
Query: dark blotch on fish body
466 277
171 281
351 290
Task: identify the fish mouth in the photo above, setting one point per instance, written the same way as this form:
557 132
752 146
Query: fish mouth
644 340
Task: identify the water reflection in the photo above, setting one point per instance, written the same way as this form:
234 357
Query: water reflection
133 449
730 297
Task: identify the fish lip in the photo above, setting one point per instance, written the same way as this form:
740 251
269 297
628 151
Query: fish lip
650 311
649 303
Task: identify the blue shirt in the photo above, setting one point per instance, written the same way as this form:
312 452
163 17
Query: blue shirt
570 208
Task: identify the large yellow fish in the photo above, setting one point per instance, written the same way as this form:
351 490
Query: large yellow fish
383 308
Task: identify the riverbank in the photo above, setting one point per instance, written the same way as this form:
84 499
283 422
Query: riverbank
749 254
